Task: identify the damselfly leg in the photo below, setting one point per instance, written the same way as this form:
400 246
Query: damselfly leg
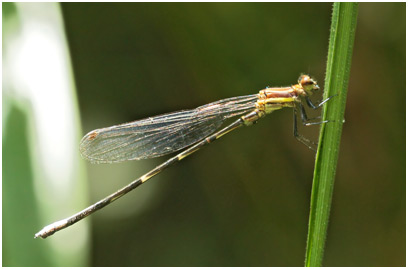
306 121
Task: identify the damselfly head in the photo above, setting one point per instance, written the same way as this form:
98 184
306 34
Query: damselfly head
308 84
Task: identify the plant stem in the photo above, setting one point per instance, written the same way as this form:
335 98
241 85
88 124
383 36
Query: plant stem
344 21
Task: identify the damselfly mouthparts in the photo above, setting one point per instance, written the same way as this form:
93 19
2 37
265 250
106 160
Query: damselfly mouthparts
168 133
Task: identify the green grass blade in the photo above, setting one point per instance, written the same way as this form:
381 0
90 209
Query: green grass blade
344 20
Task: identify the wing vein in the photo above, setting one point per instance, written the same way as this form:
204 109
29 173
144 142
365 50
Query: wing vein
163 134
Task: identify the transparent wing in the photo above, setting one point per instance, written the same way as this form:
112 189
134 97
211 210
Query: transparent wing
163 134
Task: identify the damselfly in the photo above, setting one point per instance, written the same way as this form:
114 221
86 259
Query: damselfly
168 133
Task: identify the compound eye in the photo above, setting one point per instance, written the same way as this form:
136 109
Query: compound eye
308 84
306 81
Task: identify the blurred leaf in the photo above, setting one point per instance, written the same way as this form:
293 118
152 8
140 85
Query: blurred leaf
43 177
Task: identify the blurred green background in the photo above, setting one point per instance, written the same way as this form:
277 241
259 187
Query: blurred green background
244 200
